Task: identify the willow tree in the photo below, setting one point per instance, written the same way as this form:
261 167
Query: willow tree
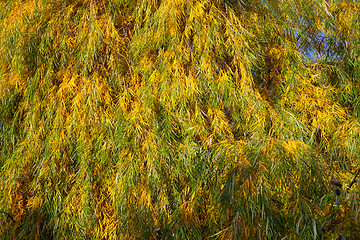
179 119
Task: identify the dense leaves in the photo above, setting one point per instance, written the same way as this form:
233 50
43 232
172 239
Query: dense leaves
179 119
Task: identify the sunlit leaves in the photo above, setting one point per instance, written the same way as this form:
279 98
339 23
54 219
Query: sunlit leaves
178 119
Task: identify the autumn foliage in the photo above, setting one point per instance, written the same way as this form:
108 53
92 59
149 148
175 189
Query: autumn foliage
179 119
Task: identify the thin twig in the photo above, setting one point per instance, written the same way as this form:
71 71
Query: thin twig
354 180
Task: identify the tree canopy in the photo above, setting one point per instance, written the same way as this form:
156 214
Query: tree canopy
179 119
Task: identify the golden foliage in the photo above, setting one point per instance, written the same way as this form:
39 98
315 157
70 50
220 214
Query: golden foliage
179 119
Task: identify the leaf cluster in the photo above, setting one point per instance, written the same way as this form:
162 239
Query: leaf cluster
179 119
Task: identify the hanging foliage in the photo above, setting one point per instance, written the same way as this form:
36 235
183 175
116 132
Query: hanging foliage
179 119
